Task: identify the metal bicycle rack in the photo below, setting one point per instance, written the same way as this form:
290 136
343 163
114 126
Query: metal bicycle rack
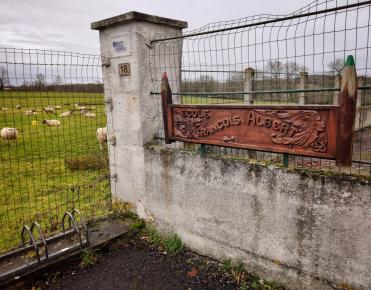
34 252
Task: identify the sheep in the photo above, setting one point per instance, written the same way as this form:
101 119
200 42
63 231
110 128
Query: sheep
89 115
58 107
30 112
102 136
9 134
77 107
4 109
18 107
48 110
52 123
67 114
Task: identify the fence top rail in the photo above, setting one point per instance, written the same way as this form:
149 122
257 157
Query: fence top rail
260 92
49 52
257 20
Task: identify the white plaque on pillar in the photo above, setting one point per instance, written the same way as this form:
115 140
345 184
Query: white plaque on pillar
120 45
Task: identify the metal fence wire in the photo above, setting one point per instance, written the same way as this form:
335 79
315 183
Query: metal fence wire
274 59
53 162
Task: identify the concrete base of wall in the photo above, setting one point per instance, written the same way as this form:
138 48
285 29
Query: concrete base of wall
306 232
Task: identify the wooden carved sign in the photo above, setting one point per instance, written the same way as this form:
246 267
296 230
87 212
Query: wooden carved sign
314 131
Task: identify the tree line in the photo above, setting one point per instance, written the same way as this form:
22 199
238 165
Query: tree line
40 84
272 75
205 83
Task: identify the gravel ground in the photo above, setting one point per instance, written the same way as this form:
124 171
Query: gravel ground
133 263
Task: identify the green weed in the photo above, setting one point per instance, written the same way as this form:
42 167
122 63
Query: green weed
173 244
138 225
260 284
154 238
226 265
88 258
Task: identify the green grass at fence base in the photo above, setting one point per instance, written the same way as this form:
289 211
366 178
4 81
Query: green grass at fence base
47 171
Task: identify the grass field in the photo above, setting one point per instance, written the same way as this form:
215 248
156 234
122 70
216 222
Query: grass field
37 181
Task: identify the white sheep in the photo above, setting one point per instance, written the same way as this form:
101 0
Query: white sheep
9 134
102 136
58 107
30 112
48 110
18 107
77 107
89 115
52 123
66 114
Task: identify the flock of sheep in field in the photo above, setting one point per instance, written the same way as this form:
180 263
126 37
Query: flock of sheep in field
9 134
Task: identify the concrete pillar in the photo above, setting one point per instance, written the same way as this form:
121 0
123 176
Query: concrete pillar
133 115
337 85
249 85
303 86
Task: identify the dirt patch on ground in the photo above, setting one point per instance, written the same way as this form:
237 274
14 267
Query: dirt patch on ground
133 263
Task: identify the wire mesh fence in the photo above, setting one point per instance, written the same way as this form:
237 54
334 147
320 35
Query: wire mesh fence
274 60
53 161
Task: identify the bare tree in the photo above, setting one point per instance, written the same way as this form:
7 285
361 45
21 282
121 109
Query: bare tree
336 66
4 78
207 83
234 81
57 80
275 68
291 69
40 80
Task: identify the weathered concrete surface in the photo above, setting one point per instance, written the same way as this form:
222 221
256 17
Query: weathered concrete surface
137 16
306 232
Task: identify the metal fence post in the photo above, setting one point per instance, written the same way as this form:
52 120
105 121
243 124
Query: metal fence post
249 85
360 112
303 86
361 83
337 85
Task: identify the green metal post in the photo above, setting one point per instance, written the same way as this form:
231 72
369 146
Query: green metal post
285 160
202 149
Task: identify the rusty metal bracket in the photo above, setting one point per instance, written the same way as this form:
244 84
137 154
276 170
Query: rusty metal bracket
106 62
109 102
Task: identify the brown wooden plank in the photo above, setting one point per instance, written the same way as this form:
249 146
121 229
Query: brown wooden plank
347 113
300 130
166 98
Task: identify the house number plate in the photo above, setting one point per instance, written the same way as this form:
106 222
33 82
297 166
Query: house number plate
124 69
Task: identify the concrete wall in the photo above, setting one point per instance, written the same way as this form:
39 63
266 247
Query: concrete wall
307 232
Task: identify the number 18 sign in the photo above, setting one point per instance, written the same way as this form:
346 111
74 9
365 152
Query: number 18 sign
124 69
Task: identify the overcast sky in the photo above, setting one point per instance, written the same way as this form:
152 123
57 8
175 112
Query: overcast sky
65 24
